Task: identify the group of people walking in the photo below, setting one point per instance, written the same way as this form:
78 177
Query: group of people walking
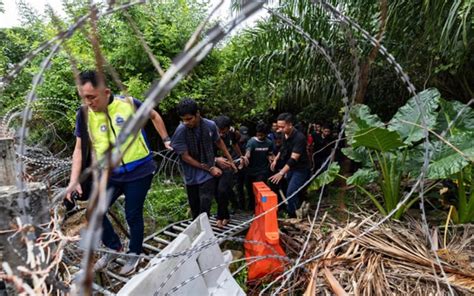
215 157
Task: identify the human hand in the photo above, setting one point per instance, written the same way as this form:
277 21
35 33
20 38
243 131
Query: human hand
275 179
71 188
168 145
244 160
223 163
215 171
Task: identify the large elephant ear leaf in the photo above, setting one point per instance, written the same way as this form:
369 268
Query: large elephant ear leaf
461 114
415 159
325 177
359 154
447 161
408 119
360 118
363 177
377 138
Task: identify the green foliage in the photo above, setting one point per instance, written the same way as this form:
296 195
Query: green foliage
325 177
377 138
363 177
451 159
386 151
136 86
432 40
418 111
391 160
165 26
166 203
465 204
454 110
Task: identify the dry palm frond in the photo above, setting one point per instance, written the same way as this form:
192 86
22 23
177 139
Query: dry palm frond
395 258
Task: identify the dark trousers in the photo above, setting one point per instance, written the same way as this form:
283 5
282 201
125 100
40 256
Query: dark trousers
225 192
249 184
295 178
200 197
240 176
135 193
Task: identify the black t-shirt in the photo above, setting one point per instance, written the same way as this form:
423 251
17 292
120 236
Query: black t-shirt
230 139
323 146
295 143
259 152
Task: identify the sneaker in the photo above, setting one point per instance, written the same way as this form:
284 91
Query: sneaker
130 265
104 261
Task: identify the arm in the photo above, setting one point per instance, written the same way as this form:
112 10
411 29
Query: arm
245 159
214 171
236 144
274 162
278 176
74 184
295 156
221 145
248 153
160 128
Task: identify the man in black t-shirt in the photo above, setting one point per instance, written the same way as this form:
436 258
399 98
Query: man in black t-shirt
293 153
323 145
225 182
258 154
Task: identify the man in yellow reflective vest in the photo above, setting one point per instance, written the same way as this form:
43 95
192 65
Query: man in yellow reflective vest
98 125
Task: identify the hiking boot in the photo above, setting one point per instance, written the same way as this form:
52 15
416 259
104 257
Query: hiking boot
104 261
131 264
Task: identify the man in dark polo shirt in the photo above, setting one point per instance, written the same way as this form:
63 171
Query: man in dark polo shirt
293 154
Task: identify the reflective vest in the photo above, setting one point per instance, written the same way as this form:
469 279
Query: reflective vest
104 129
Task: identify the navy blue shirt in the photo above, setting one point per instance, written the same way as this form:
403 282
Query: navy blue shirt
193 175
141 171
